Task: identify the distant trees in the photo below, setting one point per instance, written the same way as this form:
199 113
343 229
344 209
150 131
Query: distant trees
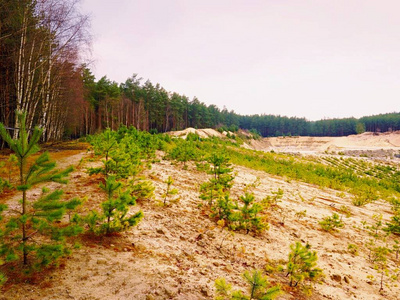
150 107
269 125
143 105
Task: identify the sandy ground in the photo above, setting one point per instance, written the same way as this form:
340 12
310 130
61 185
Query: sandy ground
203 133
365 141
376 144
176 252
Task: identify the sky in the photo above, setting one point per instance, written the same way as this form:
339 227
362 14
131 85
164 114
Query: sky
299 58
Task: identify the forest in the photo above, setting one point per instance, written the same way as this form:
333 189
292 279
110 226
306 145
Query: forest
42 73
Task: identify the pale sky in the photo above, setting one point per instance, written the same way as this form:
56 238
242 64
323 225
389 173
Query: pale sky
305 58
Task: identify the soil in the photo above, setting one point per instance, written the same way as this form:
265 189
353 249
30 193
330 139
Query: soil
177 251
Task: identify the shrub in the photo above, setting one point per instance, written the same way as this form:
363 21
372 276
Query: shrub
331 222
114 210
169 191
353 249
259 288
221 180
302 265
246 216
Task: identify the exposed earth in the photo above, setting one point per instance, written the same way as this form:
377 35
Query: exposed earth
177 252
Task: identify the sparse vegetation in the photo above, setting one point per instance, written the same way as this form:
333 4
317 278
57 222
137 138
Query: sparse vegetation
238 207
259 288
302 266
169 192
331 223
114 216
134 162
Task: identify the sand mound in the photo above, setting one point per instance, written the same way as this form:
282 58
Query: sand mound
365 141
203 133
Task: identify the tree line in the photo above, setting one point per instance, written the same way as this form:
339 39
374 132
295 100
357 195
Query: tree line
270 125
150 107
41 74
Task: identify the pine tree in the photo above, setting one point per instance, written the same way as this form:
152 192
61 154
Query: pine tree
35 217
220 182
103 144
302 264
169 191
247 215
258 288
114 210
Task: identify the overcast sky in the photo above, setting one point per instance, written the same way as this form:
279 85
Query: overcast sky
306 58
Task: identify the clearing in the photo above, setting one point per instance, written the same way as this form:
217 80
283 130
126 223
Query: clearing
177 252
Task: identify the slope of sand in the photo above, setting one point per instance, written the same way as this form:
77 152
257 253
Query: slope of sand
203 133
177 252
365 141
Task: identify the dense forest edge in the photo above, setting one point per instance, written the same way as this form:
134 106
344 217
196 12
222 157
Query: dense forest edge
42 74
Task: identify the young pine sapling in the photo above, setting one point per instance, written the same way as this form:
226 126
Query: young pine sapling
258 288
169 191
114 210
40 217
302 265
331 223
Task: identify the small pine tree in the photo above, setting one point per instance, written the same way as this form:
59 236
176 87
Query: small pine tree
394 225
258 288
35 217
272 201
223 210
246 217
221 180
221 170
169 191
331 222
301 265
103 144
381 264
115 209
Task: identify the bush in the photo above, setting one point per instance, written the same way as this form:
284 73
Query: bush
246 216
259 288
331 222
302 265
114 210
